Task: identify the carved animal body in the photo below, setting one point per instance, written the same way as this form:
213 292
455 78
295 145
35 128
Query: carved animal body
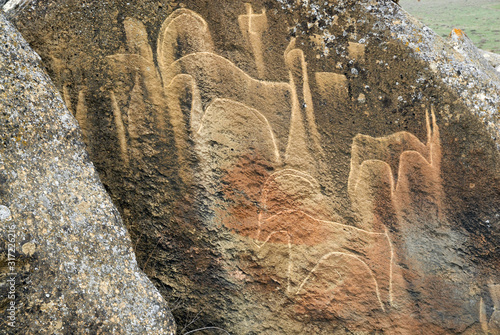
323 264
253 150
266 181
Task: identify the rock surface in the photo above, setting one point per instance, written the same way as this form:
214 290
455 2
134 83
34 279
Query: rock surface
67 263
492 58
290 167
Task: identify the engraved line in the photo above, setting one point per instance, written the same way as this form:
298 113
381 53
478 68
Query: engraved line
258 114
325 221
390 265
165 26
290 263
194 54
276 174
347 255
120 128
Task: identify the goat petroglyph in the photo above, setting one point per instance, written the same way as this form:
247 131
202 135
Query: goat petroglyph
389 173
185 48
300 241
298 228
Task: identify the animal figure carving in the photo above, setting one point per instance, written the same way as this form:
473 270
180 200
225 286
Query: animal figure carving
219 115
389 174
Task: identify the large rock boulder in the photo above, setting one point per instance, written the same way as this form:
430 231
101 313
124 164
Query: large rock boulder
290 167
67 262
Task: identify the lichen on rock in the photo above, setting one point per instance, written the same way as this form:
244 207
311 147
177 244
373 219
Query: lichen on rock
68 265
289 167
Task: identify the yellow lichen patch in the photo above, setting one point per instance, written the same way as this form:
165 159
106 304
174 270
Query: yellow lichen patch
458 32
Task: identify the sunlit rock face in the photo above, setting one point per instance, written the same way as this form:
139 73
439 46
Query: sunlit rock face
290 167
66 260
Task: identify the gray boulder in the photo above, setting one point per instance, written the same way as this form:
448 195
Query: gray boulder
67 263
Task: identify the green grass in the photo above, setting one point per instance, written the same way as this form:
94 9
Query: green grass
480 19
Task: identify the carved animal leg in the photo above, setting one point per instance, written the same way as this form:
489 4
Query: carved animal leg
120 129
182 33
184 109
304 148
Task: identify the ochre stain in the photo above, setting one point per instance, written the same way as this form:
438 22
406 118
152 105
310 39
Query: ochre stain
243 184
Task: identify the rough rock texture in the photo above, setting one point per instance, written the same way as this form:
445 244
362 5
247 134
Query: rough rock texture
492 58
457 62
290 167
67 263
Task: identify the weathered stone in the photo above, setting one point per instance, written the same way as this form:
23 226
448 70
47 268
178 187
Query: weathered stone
291 167
492 58
67 263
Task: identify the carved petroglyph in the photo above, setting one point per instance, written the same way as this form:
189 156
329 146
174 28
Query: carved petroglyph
67 98
356 51
238 129
66 80
184 32
272 99
252 26
420 173
351 260
303 149
291 202
137 39
332 85
389 173
185 112
81 114
293 189
185 48
221 116
373 194
136 110
126 63
147 86
241 115
338 256
325 239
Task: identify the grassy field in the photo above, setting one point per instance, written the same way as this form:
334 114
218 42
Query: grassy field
480 19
